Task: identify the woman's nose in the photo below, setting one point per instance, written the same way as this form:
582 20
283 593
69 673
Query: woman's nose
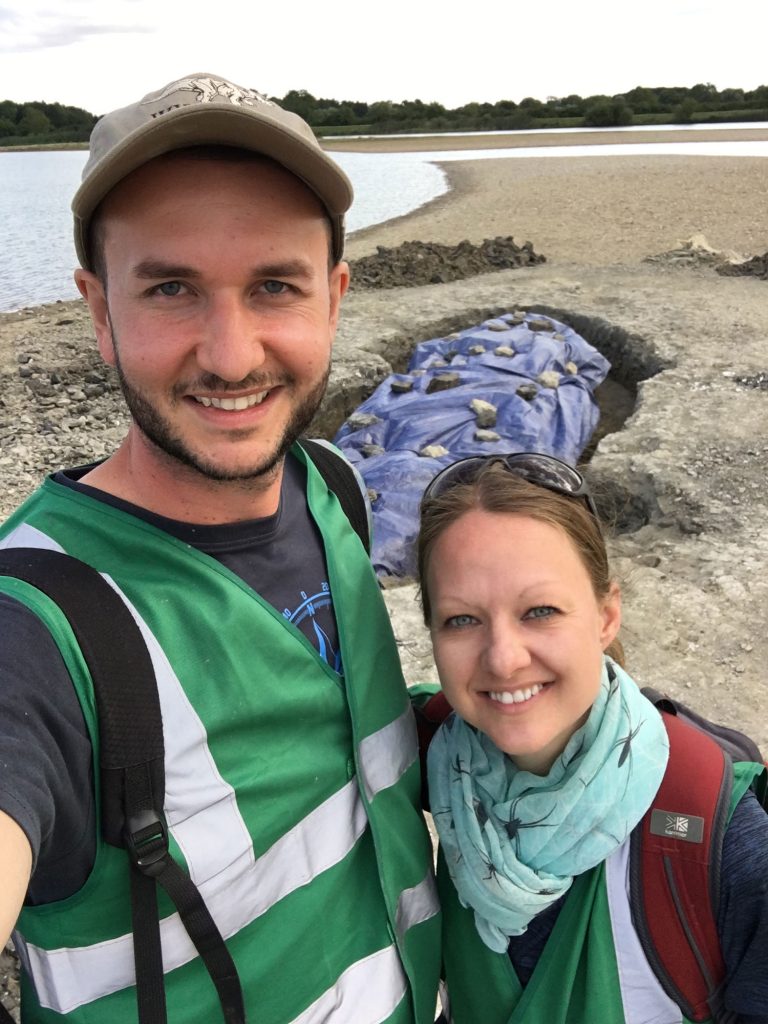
507 651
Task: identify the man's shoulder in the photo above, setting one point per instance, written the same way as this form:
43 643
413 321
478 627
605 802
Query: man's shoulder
343 478
15 517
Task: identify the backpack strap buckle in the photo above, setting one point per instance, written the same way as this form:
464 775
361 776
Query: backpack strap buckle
146 839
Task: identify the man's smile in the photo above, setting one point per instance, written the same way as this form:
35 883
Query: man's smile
232 404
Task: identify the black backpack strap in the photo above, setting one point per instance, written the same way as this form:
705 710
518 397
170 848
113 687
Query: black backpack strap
132 770
675 857
343 481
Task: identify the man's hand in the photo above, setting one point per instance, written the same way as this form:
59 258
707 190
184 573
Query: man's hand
15 869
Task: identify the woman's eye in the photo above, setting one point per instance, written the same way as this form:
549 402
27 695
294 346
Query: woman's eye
169 288
459 621
542 611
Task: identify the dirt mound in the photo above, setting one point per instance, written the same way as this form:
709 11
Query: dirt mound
695 252
417 263
757 266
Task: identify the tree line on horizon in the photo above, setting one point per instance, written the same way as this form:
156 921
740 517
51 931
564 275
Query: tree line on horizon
641 105
39 123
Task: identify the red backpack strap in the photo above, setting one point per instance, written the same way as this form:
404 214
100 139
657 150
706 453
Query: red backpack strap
675 871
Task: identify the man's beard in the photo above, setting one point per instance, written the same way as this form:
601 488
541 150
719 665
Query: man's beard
160 432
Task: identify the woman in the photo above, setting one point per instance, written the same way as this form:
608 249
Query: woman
550 762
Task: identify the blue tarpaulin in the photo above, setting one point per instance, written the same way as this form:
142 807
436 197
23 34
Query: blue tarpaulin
556 413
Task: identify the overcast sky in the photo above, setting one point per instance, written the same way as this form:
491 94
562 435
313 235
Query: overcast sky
101 55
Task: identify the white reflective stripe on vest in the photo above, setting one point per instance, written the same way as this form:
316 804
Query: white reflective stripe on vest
387 754
644 1000
445 1001
200 807
26 536
70 977
216 843
416 905
366 993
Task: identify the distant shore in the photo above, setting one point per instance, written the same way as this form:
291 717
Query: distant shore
531 139
50 147
420 143
593 210
596 211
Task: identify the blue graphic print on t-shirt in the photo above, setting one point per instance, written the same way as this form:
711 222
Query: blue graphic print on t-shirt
317 608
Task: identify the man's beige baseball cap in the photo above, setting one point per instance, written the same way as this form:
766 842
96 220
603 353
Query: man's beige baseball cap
199 110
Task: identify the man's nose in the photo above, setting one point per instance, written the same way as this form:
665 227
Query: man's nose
507 651
232 342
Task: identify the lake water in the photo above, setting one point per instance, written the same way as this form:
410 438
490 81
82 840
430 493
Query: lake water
36 189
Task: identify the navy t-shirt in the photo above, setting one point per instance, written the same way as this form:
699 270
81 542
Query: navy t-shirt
46 782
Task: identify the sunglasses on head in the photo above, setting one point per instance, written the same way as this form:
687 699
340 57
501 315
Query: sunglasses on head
542 470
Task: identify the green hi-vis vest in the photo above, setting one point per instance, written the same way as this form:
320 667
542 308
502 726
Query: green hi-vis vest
292 796
592 969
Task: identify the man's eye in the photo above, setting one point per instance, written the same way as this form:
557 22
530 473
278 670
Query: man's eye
169 288
275 287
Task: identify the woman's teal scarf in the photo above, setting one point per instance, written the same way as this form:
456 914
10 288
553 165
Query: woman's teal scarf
513 841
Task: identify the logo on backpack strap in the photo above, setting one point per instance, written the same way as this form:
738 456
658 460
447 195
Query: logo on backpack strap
687 827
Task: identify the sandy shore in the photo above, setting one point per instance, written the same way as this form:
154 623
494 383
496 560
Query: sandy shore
597 211
528 139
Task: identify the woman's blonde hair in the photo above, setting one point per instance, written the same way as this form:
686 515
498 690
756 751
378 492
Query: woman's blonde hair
496 489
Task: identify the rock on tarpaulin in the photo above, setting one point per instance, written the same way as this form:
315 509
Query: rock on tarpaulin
537 375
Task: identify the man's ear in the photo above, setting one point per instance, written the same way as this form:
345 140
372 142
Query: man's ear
94 293
338 282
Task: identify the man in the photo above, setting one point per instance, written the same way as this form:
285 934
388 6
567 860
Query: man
209 225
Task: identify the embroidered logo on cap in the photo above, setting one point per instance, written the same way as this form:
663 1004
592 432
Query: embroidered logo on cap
687 827
209 90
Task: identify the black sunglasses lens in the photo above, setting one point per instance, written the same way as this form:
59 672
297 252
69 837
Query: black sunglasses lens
542 470
547 472
462 472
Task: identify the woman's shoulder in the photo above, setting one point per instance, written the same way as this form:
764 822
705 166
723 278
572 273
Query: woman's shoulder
743 909
745 845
